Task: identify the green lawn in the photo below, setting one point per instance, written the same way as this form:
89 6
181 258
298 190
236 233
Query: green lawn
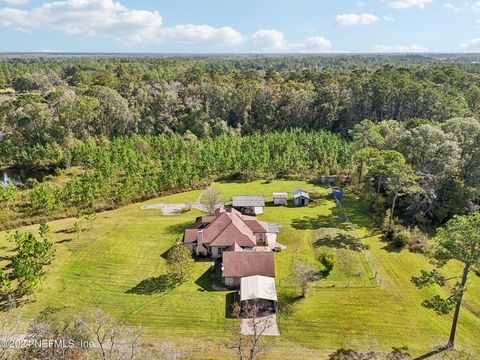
115 264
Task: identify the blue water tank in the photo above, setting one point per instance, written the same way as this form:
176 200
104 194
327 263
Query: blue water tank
338 194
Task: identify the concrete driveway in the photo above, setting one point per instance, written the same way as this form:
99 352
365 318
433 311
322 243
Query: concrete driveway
269 323
167 209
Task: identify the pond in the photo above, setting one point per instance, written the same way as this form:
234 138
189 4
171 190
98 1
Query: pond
19 176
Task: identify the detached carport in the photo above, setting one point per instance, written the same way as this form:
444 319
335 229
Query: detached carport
259 291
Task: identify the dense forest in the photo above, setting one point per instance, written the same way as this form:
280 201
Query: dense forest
80 98
116 130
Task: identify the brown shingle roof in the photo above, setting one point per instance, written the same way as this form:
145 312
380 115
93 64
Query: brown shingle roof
240 264
225 228
256 226
190 236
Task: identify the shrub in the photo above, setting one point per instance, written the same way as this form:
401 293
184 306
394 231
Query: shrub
328 262
401 236
179 263
398 235
417 241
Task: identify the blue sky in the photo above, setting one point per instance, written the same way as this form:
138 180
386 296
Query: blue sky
234 26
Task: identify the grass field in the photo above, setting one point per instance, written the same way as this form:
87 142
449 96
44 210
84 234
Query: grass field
116 261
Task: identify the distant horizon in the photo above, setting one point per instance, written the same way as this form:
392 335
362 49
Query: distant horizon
397 54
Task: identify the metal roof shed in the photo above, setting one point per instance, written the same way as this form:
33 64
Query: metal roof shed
248 201
300 193
258 287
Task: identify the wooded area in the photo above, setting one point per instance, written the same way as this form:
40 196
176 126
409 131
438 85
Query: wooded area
130 129
63 98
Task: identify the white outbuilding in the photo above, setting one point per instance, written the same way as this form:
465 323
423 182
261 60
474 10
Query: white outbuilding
280 198
301 197
259 288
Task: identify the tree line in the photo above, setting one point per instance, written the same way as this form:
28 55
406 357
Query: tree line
106 173
60 101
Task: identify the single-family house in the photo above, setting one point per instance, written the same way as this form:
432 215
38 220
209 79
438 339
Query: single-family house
240 264
260 291
213 234
249 204
301 197
280 198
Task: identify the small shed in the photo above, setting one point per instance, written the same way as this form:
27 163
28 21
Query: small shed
328 179
262 291
301 197
249 204
280 198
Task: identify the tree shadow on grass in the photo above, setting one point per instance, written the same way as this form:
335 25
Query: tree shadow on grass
65 231
230 299
317 222
357 215
286 302
205 281
319 199
180 227
390 246
340 241
153 285
65 241
15 301
432 353
164 255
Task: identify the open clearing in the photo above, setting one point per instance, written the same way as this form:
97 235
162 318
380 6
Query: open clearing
116 262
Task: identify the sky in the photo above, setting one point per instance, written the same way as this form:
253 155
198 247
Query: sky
240 26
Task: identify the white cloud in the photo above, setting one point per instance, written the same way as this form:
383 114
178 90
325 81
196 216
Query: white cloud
16 2
457 8
474 43
404 4
202 35
317 44
356 19
381 48
450 6
269 40
114 20
274 41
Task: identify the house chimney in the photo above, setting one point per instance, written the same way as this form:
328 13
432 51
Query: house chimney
200 247
199 237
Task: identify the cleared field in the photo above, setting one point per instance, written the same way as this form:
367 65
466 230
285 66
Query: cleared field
116 263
